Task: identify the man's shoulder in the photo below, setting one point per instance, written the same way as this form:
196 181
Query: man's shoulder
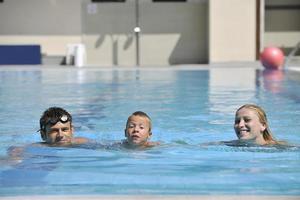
80 140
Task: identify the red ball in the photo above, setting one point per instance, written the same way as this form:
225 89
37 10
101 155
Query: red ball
272 58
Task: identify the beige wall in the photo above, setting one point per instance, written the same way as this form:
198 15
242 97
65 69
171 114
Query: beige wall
232 30
171 33
282 26
178 31
50 23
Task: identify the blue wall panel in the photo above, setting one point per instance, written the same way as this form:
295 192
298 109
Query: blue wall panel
20 54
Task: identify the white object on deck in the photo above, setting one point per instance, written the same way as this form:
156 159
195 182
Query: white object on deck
76 55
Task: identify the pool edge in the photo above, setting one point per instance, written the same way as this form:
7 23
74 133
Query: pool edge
151 197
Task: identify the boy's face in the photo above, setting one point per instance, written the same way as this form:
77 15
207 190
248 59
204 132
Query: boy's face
137 131
59 133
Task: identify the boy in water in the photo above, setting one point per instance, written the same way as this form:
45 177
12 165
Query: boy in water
138 131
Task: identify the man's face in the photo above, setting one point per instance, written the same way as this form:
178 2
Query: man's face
59 133
137 130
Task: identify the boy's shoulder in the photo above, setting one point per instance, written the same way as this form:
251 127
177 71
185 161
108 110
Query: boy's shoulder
152 144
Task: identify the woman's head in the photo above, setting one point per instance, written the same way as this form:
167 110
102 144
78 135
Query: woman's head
251 124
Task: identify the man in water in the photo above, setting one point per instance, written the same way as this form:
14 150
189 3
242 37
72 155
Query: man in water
56 128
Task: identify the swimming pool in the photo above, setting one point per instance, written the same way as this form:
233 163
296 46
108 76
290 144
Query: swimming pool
189 106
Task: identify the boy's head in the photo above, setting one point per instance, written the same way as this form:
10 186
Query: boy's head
56 126
138 128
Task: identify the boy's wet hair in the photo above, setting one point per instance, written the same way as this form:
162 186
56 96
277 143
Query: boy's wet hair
140 114
53 115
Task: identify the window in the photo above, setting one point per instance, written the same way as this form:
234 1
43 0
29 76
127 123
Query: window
169 0
105 1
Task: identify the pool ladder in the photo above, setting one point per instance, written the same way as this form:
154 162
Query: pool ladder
291 54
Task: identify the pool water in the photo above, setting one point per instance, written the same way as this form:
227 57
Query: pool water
189 108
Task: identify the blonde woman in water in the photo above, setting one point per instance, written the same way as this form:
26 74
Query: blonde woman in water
251 125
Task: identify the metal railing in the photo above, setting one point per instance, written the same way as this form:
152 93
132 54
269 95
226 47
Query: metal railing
291 54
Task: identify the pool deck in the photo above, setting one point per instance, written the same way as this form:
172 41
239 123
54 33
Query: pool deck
243 64
152 197
255 65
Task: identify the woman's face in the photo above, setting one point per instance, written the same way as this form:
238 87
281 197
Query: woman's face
247 125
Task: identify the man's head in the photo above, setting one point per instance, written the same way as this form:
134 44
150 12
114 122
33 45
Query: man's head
138 129
56 126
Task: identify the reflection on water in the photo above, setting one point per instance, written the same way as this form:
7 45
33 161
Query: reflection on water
273 80
226 83
167 169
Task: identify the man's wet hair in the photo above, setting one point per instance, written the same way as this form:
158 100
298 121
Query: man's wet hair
53 115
